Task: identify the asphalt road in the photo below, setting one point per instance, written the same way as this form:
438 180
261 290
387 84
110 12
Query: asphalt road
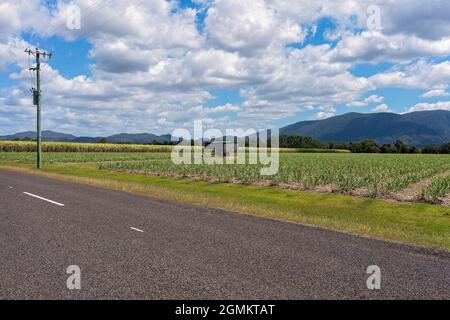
136 247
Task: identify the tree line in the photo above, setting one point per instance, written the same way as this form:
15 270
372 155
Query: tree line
366 146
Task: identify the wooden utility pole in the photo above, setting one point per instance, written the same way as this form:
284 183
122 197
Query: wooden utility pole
37 101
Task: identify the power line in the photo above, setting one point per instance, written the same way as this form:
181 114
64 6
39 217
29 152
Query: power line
99 8
107 21
84 9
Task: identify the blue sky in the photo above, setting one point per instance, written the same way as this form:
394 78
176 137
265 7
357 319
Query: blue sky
160 65
70 58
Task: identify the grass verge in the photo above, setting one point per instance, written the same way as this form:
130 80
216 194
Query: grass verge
414 223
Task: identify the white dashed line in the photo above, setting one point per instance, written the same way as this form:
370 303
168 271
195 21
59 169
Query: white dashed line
10 187
38 197
135 229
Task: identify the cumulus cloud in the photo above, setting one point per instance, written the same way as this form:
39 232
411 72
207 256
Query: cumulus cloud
323 115
364 103
249 25
418 75
436 93
374 47
157 63
443 105
407 17
410 16
381 108
12 52
327 112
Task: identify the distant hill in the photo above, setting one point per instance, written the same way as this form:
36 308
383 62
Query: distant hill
416 128
142 138
47 135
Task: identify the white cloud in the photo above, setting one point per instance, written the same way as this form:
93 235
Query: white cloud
381 108
364 103
436 93
155 69
249 25
418 75
410 16
374 46
323 115
407 17
444 105
327 112
218 109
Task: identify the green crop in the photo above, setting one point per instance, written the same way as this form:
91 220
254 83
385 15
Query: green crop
376 174
367 174
438 188
30 146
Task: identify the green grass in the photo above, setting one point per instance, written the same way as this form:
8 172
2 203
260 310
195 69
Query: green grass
421 224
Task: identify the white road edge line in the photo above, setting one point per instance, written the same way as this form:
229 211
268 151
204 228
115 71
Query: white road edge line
135 229
38 197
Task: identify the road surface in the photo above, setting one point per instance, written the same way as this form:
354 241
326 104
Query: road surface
135 247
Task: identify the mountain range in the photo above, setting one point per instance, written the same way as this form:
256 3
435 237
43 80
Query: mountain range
139 138
416 129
